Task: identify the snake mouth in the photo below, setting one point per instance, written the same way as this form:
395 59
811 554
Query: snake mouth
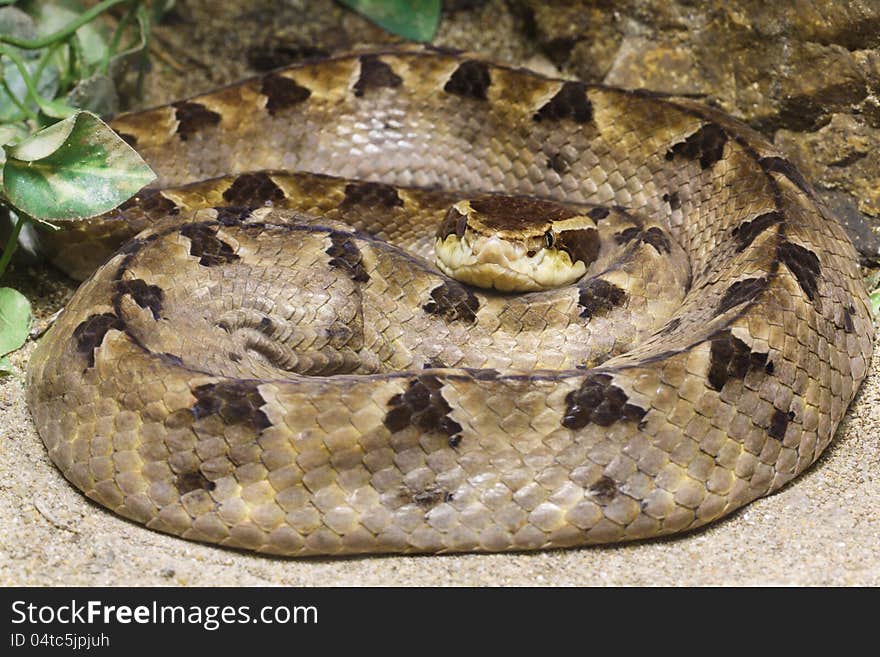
505 265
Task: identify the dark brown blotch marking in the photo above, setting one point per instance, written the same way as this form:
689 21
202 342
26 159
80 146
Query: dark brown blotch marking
422 406
453 302
146 296
779 424
232 216
598 214
454 223
345 255
192 117
604 490
375 74
705 145
803 263
131 247
598 296
252 189
371 194
748 231
153 203
89 334
557 163
730 358
744 291
599 401
187 482
515 213
207 247
282 93
673 199
580 244
236 402
786 168
848 325
471 80
626 236
656 238
570 102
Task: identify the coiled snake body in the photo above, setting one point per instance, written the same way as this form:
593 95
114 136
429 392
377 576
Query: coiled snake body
264 376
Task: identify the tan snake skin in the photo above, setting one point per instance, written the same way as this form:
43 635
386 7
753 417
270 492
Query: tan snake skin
275 380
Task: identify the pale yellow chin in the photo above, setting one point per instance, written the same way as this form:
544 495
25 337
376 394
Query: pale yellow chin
494 263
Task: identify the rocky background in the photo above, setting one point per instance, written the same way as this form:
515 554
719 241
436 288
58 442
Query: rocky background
806 73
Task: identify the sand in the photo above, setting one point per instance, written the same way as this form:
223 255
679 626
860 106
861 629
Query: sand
822 529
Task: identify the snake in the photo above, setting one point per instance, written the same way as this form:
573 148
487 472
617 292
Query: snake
277 361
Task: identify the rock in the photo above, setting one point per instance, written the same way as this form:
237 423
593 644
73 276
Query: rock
642 63
844 154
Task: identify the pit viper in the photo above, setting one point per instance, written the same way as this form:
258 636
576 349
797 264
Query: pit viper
276 363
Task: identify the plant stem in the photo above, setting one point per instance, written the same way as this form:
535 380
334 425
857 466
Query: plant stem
116 40
28 113
44 60
65 31
78 58
11 243
42 103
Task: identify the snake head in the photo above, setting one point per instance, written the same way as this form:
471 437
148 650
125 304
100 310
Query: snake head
515 244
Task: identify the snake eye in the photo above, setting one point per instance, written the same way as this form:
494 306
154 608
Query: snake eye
548 239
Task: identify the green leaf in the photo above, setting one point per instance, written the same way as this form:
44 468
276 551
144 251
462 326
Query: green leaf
15 320
15 22
875 301
74 169
412 19
52 16
46 86
42 144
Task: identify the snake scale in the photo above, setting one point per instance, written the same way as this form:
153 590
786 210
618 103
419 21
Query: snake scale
273 364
